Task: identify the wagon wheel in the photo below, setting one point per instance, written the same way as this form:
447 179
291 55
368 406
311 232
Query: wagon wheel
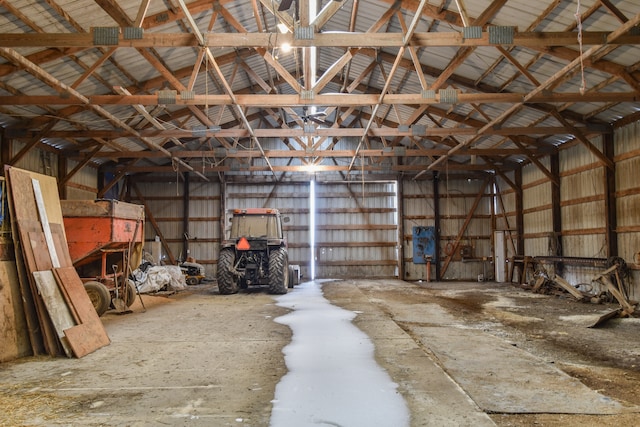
99 296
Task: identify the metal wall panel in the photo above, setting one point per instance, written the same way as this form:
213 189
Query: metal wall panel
583 211
469 259
418 210
42 162
86 176
165 201
204 224
457 198
78 194
627 144
356 230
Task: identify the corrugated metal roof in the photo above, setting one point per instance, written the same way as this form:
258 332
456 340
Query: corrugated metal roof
616 71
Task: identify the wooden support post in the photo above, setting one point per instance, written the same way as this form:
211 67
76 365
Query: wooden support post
185 217
436 213
400 216
556 210
611 222
519 213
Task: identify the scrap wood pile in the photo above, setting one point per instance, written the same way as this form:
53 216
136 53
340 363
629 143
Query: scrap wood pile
612 285
60 318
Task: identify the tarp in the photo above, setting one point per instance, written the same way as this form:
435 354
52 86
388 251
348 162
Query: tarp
150 278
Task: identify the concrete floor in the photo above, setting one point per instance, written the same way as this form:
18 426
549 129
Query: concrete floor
462 354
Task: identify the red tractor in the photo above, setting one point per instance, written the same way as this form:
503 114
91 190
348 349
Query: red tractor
255 253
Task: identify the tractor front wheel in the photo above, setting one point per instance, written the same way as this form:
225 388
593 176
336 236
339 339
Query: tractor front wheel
226 279
278 271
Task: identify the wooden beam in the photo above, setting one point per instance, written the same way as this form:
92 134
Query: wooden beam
336 100
532 39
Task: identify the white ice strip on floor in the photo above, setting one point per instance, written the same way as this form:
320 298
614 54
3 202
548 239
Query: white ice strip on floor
333 378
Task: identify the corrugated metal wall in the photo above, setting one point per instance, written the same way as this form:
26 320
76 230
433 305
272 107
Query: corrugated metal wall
627 155
204 223
165 201
356 230
582 199
537 213
472 258
506 217
457 199
292 200
418 210
40 161
84 184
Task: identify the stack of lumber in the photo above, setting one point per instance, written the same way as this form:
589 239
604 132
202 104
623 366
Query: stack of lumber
60 318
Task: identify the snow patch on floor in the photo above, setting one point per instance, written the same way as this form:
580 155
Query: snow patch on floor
333 378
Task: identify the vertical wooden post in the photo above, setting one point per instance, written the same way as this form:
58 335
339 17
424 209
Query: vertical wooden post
185 216
223 208
400 216
556 210
519 213
436 214
62 173
5 150
611 216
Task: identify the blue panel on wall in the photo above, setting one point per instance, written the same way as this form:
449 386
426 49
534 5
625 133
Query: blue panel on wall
424 244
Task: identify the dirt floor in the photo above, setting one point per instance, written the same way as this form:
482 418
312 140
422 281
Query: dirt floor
552 328
201 359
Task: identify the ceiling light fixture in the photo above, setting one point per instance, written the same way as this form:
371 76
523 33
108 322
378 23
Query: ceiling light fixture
285 47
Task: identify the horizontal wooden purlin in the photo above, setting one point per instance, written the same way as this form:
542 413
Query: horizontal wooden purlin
253 154
335 100
326 39
292 133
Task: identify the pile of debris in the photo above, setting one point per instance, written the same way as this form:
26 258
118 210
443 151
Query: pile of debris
610 285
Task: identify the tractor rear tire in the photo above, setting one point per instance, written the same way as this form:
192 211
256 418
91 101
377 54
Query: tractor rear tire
226 279
278 272
99 296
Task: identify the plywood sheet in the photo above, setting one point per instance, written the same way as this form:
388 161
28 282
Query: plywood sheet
43 248
56 305
14 331
86 338
90 334
24 200
68 278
